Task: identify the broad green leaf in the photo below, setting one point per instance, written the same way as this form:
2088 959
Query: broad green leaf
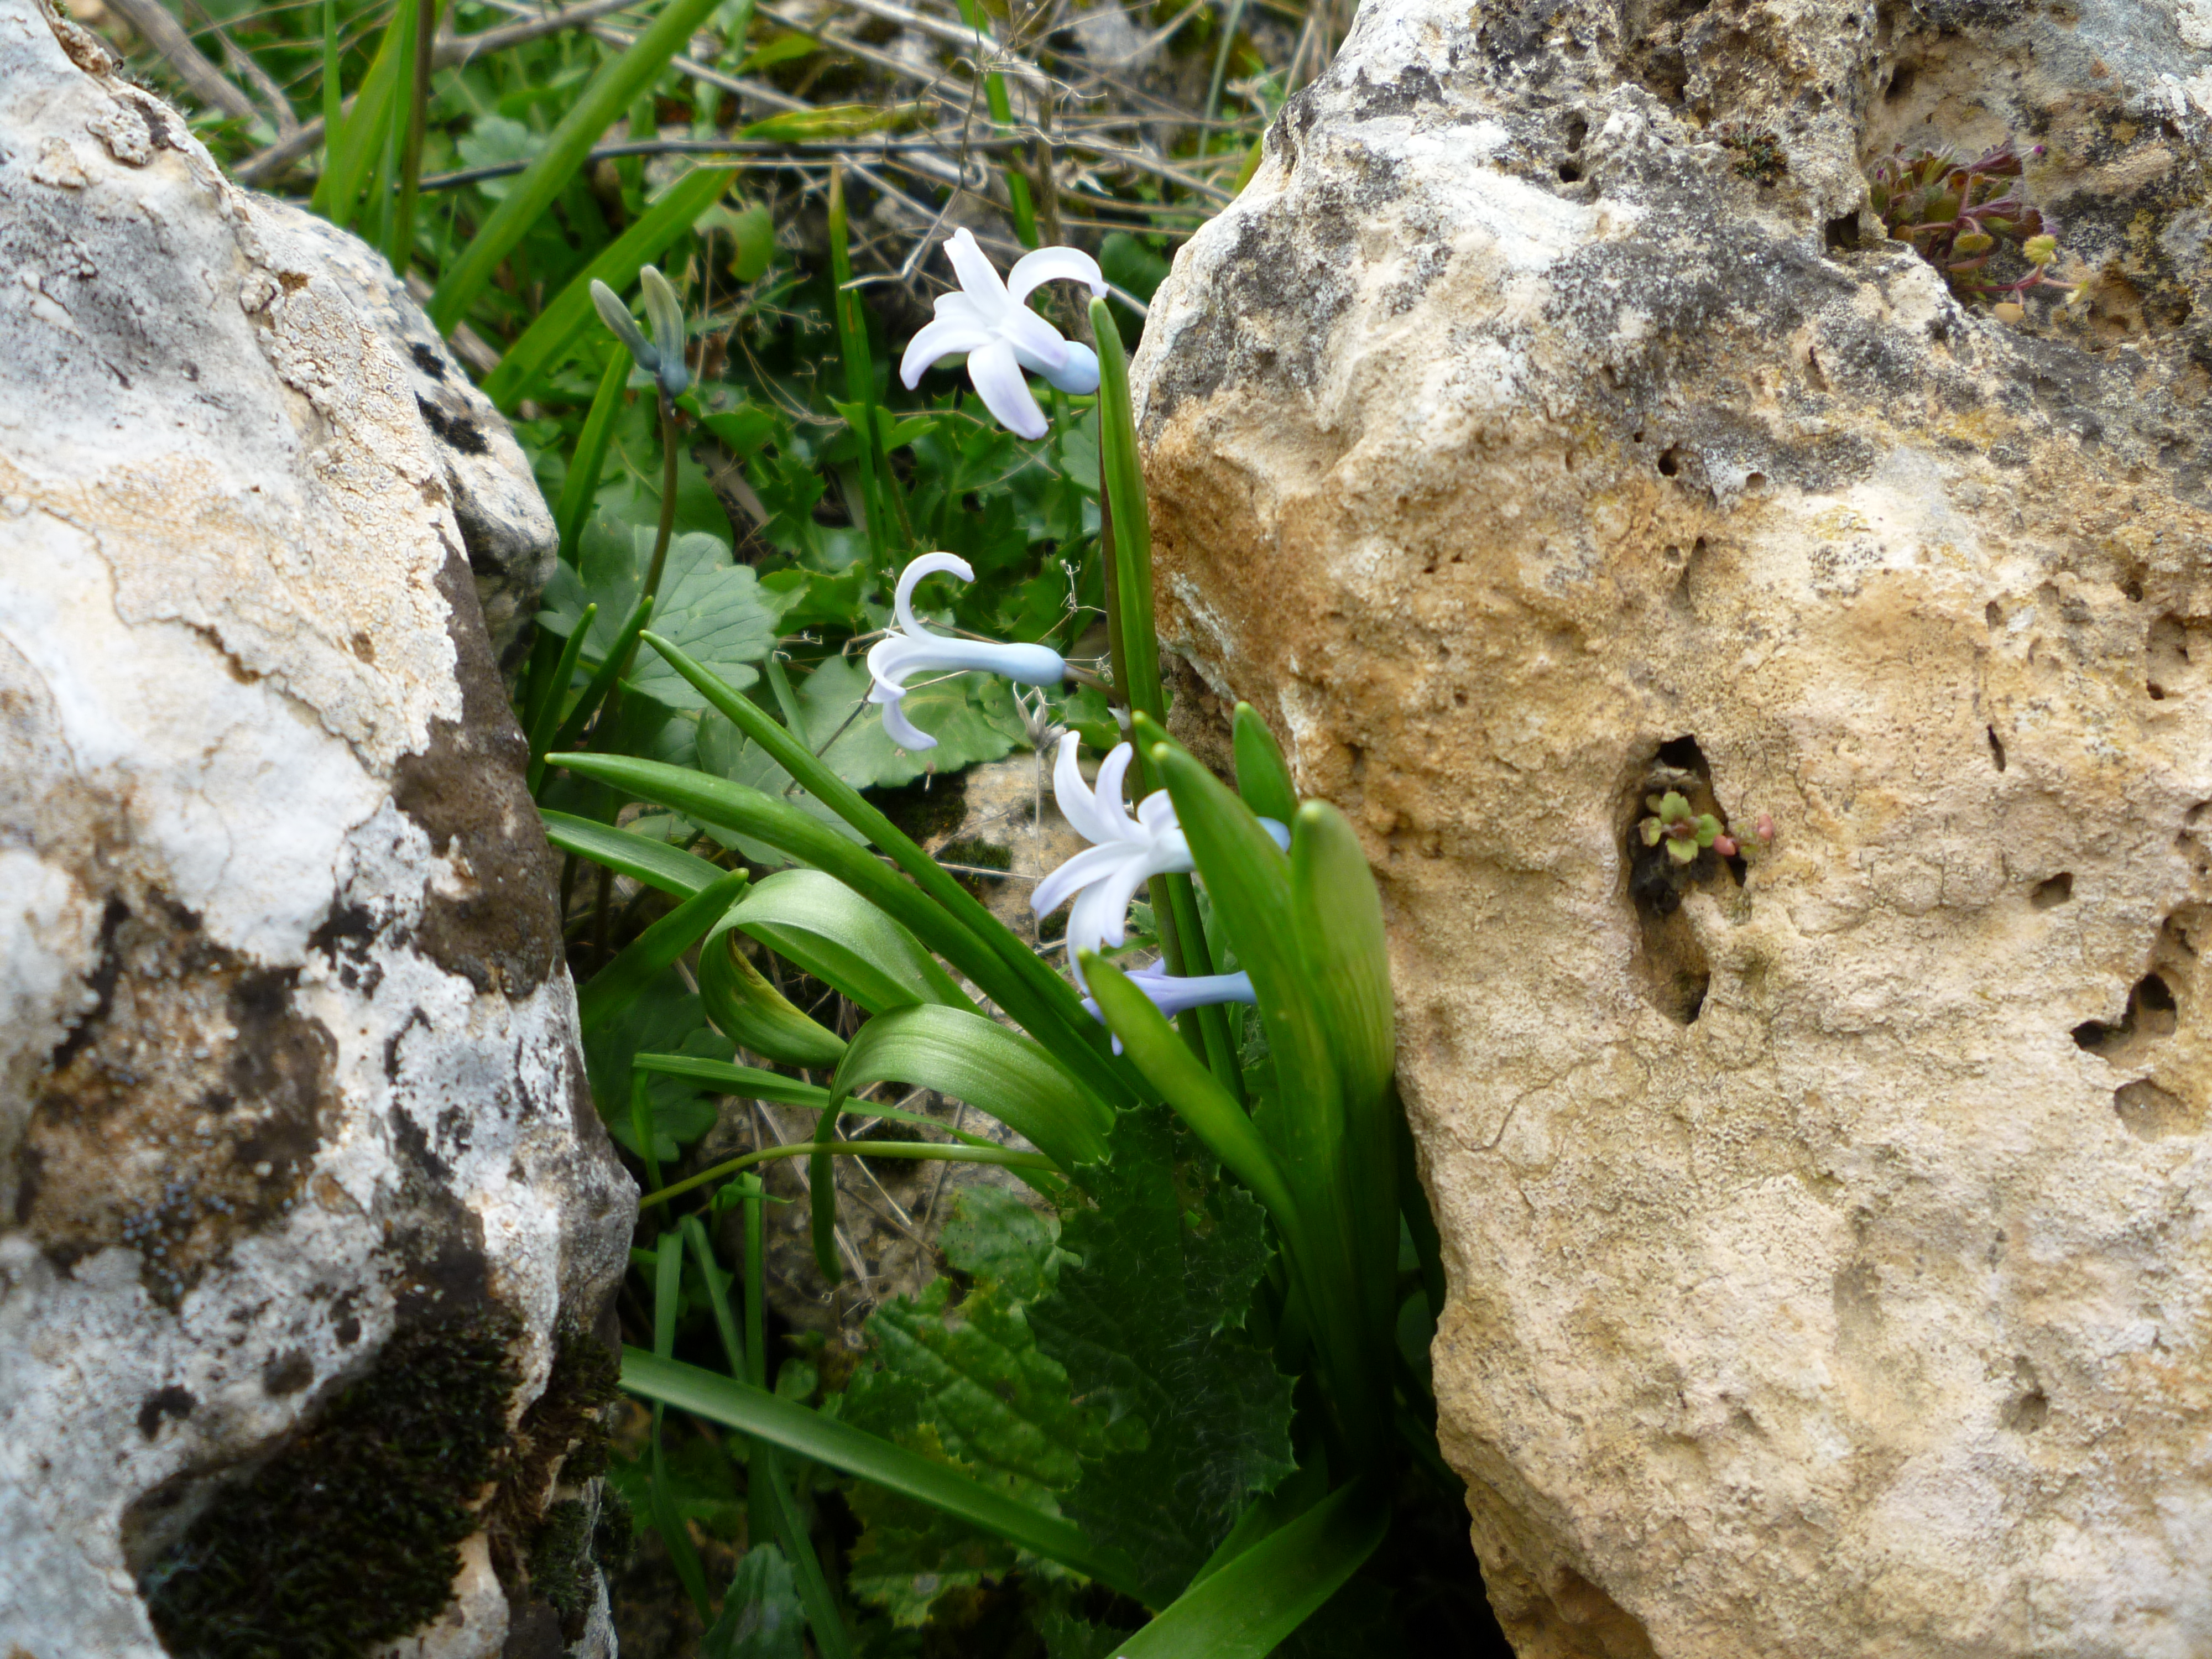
865 756
1016 979
817 922
556 327
1148 1324
655 863
1009 1075
1244 1610
707 603
597 109
924 914
761 1617
1263 779
753 1014
618 984
871 1457
664 1018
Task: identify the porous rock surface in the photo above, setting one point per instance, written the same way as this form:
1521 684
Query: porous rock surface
305 1215
1547 426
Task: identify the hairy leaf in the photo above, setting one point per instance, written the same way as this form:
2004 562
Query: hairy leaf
1148 1325
711 607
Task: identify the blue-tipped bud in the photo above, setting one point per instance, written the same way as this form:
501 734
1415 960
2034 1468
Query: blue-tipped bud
666 313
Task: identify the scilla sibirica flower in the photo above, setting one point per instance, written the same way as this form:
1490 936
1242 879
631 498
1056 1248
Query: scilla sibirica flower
1174 994
911 649
986 319
1124 855
662 356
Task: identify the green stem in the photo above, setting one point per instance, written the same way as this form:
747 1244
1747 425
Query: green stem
669 457
860 372
1002 115
590 459
1005 1156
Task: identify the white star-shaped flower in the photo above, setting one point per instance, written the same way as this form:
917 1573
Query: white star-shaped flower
985 318
911 649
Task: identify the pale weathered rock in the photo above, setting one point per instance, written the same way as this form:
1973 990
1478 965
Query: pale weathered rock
1830 1259
300 1176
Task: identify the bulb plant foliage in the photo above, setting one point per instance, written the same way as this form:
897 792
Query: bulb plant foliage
1227 1102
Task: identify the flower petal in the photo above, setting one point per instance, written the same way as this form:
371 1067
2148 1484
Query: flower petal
998 379
1113 816
1076 805
1078 375
928 564
979 278
1038 346
942 338
902 731
616 315
1049 265
1088 865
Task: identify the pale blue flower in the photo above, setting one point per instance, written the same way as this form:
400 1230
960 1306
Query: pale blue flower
986 319
1177 993
911 649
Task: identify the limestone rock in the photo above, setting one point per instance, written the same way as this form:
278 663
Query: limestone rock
1547 426
307 1216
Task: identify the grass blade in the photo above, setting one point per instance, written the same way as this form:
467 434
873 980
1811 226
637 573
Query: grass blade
668 1294
866 1457
555 328
597 107
643 960
821 1195
655 863
601 685
351 154
1245 1610
546 719
590 461
1002 116
859 368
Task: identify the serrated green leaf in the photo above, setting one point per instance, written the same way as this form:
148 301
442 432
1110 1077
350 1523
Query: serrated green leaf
710 606
1148 1323
864 756
761 1616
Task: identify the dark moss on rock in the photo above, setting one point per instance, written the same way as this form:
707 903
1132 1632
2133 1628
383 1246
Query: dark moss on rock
351 1535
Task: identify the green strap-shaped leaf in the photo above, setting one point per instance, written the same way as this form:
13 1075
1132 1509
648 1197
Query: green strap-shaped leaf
821 1195
602 682
353 150
732 1078
615 986
616 266
870 1457
752 1014
994 1070
1046 1007
545 717
817 922
589 458
1243 1610
1170 1068
655 863
784 827
1263 779
599 106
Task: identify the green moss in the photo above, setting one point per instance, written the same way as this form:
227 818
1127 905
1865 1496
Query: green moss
350 1537
561 1559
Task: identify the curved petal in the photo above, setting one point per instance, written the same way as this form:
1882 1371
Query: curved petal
954 307
1038 346
1112 816
928 564
664 311
1078 375
1104 906
1087 866
616 315
979 278
941 339
1077 804
998 379
1279 831
1157 812
1049 265
903 732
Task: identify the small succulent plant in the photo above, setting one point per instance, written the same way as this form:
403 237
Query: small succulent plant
1962 216
1684 833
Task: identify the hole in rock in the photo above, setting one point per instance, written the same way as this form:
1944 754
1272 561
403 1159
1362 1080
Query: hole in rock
1754 481
1577 129
1570 172
1816 378
1670 961
2152 1013
1997 747
2150 1113
1900 85
1993 616
1841 233
1670 461
2049 894
2177 651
